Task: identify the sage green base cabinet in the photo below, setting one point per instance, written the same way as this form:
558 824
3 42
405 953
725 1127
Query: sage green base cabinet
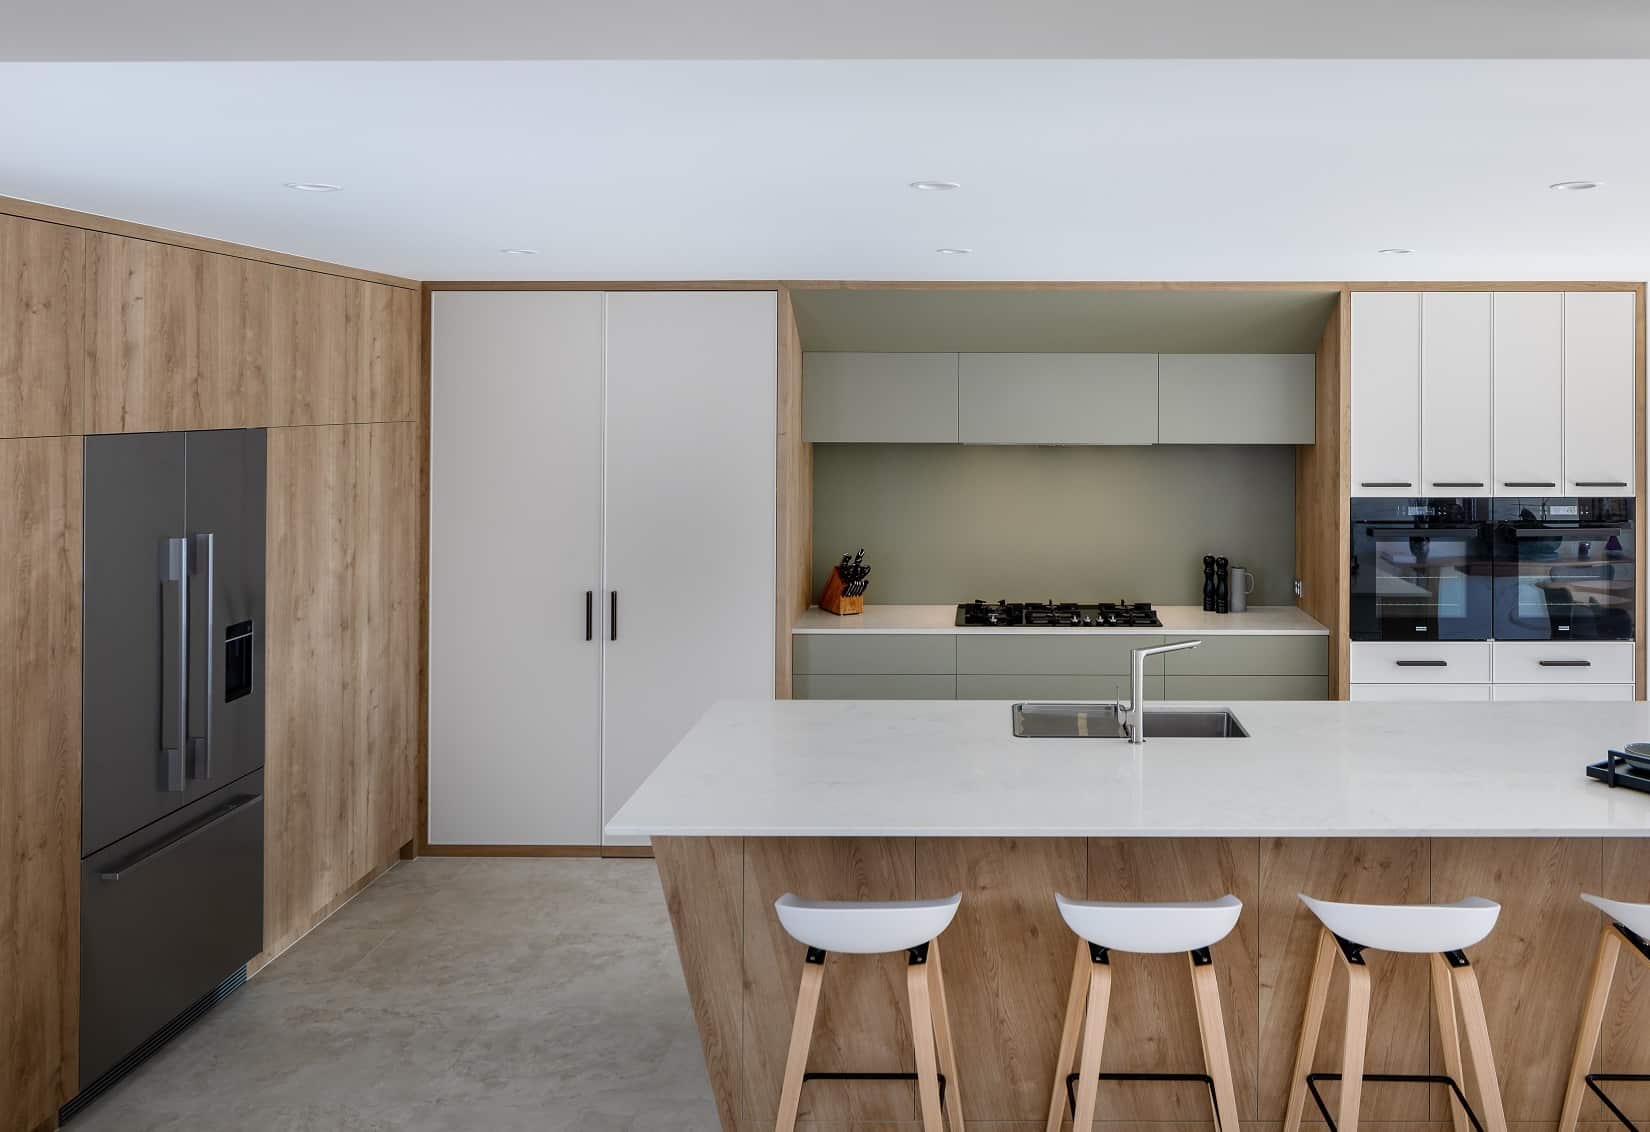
1050 666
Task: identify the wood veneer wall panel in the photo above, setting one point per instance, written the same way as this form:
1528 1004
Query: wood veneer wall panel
1533 969
1153 1017
1378 871
42 306
1625 1044
863 1021
40 611
1323 491
1007 960
795 516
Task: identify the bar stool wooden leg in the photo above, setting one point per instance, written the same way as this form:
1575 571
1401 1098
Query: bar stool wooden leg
922 1038
1592 1020
1449 1034
952 1098
1094 1040
1075 998
1317 998
1353 1044
802 1036
1211 1025
1477 1032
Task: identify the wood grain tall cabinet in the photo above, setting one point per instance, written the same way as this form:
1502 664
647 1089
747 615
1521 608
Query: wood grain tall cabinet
107 327
602 552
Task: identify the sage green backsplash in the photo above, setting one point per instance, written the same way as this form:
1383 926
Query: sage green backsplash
944 523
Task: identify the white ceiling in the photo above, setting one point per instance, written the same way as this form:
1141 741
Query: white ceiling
678 170
840 29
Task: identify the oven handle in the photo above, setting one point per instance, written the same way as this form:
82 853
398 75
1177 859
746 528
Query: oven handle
1424 532
1566 532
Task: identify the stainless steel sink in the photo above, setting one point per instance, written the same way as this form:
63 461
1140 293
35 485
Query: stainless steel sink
1104 721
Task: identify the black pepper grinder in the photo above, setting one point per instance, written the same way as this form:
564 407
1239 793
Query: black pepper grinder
1208 583
1223 589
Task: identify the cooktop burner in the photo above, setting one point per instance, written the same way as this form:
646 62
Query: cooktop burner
1061 614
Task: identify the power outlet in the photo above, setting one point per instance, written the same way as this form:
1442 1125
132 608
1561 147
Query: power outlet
1300 590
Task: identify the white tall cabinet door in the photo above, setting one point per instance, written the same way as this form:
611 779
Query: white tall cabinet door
1386 393
1455 393
515 542
691 386
1599 347
1529 399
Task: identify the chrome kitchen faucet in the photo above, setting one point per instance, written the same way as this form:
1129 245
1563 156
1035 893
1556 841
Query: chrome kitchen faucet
1134 713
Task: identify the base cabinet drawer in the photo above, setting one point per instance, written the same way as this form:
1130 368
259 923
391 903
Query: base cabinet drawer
871 687
1420 662
1563 662
875 653
1064 688
1420 693
1562 693
1042 654
1257 655
1247 688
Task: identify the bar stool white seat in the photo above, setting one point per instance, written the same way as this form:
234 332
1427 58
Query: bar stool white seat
1442 931
1629 922
876 928
1102 927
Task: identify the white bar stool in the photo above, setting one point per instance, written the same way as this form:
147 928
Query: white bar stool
1441 930
1151 929
876 928
1630 922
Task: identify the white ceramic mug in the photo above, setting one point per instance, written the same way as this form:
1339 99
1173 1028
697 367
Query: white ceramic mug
1239 585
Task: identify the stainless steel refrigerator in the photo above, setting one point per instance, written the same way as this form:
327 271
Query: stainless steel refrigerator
172 838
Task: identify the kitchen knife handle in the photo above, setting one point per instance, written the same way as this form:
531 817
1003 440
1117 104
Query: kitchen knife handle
202 645
174 661
589 615
613 615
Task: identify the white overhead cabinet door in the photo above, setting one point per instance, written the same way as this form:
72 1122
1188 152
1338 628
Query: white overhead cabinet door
515 545
690 517
1529 399
1599 346
1455 393
1386 393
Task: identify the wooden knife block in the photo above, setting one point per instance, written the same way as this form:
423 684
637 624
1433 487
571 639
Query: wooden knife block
833 600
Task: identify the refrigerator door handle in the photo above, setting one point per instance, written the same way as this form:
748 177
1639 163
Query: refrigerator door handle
174 661
202 641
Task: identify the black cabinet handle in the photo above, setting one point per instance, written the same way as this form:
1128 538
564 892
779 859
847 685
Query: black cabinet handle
1601 483
1457 483
1527 483
1422 663
613 615
589 615
1565 663
1387 483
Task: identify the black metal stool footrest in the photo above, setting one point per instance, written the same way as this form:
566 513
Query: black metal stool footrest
1593 1080
806 1077
1312 1080
1203 1078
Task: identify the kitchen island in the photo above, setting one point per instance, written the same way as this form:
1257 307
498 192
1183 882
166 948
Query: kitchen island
1368 802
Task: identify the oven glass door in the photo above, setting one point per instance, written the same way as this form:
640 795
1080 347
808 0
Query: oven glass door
1564 570
1421 570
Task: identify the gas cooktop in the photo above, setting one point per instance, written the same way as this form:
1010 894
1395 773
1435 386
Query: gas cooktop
1062 614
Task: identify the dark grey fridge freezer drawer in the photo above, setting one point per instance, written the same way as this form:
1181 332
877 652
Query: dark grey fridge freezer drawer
166 915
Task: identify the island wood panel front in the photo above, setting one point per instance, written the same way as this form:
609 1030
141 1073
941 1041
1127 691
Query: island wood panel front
40 614
1008 964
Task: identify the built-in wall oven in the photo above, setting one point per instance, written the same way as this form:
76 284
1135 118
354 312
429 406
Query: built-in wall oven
1421 569
1563 569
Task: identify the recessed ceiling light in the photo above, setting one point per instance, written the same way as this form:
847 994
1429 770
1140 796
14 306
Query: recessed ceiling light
954 251
1397 251
518 251
935 186
1574 186
313 186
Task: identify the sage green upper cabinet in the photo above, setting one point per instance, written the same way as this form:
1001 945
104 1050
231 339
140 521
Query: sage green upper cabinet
1529 393
1455 392
879 398
1057 398
1235 399
1386 393
1599 343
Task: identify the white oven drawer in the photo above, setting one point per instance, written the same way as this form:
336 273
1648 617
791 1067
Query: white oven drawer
1553 693
1563 662
1420 662
1417 693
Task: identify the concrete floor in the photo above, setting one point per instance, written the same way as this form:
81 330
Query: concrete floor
453 994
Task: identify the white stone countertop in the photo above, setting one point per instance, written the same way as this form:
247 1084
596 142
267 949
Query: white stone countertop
1271 619
953 768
